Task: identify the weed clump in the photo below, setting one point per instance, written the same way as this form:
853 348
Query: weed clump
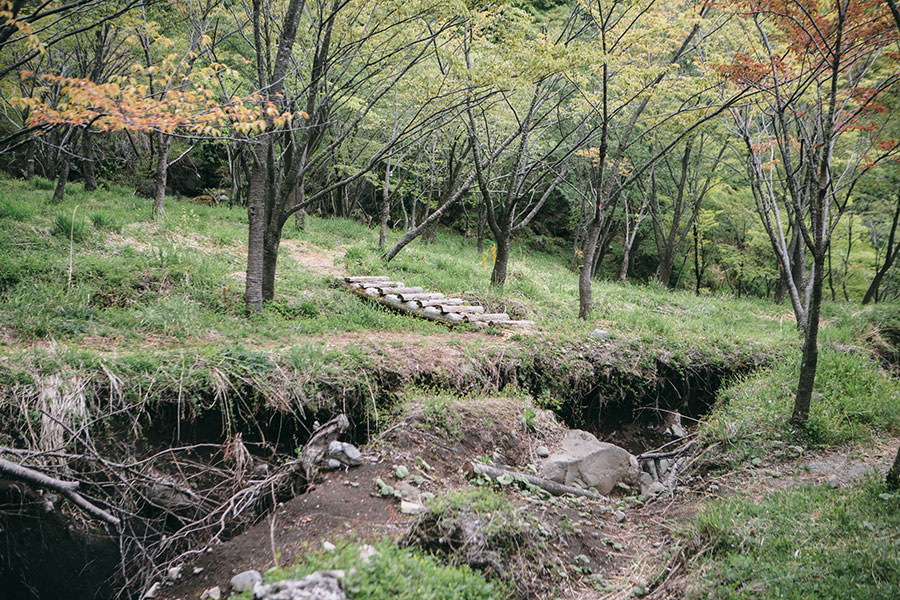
391 573
67 226
483 530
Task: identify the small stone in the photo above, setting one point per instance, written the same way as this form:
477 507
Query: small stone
328 547
542 451
198 570
834 482
411 508
322 585
334 463
213 593
246 580
352 452
619 515
151 593
261 470
599 334
654 489
366 552
174 573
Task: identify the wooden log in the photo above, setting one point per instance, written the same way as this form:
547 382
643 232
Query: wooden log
516 324
365 279
371 292
460 308
378 284
442 301
423 296
486 317
557 489
396 290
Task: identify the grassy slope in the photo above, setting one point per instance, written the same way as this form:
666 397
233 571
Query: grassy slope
163 301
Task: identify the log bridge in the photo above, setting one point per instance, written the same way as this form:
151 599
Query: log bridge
428 305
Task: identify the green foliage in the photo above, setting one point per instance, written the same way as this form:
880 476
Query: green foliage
70 226
807 542
13 209
394 573
102 220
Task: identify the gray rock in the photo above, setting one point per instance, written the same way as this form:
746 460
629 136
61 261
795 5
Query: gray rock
599 334
322 585
411 508
213 593
542 451
654 489
261 470
246 580
619 515
345 453
333 463
646 480
584 460
366 552
673 425
834 481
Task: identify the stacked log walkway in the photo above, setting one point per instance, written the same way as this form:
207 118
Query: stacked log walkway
429 305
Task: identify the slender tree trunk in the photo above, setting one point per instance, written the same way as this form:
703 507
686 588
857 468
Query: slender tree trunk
62 178
498 275
29 160
162 173
697 273
385 206
87 162
626 261
890 255
587 267
270 259
810 346
893 476
256 237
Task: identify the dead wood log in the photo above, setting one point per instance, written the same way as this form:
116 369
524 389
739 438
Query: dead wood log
365 279
442 301
423 296
517 324
66 488
398 290
557 489
492 317
463 308
316 448
379 284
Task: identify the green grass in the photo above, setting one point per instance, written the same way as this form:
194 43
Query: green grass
798 544
854 402
394 573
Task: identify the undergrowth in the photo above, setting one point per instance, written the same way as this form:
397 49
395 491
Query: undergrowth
806 542
393 573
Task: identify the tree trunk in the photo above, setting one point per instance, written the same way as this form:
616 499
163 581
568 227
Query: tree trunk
893 476
270 259
29 160
256 209
587 267
810 346
385 206
664 270
62 179
162 172
891 253
498 275
87 162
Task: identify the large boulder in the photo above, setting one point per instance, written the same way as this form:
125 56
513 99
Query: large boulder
584 460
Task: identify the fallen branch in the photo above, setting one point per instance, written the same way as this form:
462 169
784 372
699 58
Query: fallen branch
557 489
66 488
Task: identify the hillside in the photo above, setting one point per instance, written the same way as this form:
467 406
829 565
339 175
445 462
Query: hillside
125 340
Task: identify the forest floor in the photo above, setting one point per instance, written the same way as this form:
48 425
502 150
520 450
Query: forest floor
126 316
